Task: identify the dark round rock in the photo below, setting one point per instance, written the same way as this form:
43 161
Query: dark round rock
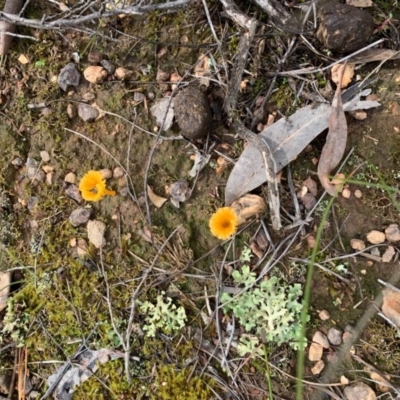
343 28
193 113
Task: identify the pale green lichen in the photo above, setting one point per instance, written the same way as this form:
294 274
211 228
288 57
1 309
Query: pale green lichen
163 315
268 310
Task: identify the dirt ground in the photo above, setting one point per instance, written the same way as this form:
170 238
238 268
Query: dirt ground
68 296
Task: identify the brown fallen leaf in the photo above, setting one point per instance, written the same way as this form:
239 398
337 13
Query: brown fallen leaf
158 201
346 71
335 144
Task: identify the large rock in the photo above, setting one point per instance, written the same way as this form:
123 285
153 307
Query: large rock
193 113
343 28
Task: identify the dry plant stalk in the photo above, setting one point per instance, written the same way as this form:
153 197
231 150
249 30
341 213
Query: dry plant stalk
11 7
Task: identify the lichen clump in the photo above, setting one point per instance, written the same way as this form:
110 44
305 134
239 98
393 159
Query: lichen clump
269 309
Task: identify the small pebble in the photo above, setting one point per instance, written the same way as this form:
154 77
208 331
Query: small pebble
94 57
33 203
49 178
347 336
357 244
107 173
70 178
88 96
359 391
80 216
315 352
17 162
71 111
72 191
40 176
346 193
87 113
375 251
45 156
344 380
376 237
108 66
122 73
318 367
95 74
81 247
388 254
335 336
321 339
118 173
69 76
358 194
324 315
96 230
392 233
332 357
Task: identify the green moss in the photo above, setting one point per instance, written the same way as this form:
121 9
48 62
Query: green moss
379 335
180 385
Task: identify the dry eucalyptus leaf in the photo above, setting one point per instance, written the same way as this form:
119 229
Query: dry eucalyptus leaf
348 73
372 55
248 206
85 365
360 3
286 138
335 144
145 234
200 161
158 201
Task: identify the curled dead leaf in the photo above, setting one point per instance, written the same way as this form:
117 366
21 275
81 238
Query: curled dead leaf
158 201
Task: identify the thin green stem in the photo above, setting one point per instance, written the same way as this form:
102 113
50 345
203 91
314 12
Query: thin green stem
306 301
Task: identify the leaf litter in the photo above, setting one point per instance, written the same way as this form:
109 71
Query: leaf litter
287 138
335 145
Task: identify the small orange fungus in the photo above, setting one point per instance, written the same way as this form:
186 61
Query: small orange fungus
223 224
93 186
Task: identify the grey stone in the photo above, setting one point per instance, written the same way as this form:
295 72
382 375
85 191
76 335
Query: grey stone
87 113
69 76
80 216
335 336
108 66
